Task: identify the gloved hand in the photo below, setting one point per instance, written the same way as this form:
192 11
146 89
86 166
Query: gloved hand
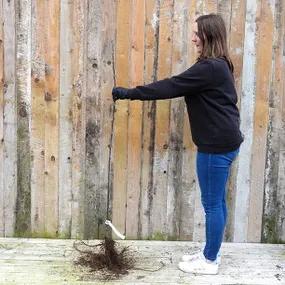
119 93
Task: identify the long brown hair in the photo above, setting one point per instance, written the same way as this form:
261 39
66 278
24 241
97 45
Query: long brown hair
213 34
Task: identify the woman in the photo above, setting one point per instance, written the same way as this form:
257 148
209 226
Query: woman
210 96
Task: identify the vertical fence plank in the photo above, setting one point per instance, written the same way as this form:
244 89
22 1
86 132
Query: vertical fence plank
78 114
38 118
99 114
174 169
71 151
236 42
247 110
2 221
159 218
188 179
210 6
150 75
93 120
23 91
199 7
263 76
121 116
135 120
65 117
108 81
280 199
10 118
225 10
198 215
51 118
273 209
280 224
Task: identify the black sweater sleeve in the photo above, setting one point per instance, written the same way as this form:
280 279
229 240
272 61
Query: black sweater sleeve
191 81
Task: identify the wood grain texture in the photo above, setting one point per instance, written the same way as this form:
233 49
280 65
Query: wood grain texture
108 77
210 6
236 49
98 114
38 118
224 8
39 261
135 120
161 154
2 221
176 125
122 56
52 89
9 118
265 32
272 229
247 122
188 179
79 11
23 91
148 118
280 232
65 117
198 212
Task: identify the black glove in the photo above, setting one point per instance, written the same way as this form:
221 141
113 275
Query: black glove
119 93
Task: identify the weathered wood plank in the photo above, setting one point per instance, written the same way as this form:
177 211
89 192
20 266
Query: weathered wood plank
121 116
265 32
191 7
273 188
188 178
78 114
2 221
281 177
93 121
65 118
198 213
38 119
35 261
199 7
23 89
236 42
71 109
280 232
247 111
135 121
52 115
108 78
210 6
176 117
9 118
150 75
160 164
224 8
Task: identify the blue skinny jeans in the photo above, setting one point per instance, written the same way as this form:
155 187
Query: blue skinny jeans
213 172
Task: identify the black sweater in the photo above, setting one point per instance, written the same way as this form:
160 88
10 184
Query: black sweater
210 96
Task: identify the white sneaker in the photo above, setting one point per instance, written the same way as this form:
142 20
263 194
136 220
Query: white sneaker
195 255
199 265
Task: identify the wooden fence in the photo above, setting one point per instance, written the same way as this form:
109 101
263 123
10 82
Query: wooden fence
69 158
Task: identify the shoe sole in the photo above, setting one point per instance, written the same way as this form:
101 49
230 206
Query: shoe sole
187 259
197 272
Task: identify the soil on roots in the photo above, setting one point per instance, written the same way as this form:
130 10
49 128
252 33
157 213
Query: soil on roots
105 257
